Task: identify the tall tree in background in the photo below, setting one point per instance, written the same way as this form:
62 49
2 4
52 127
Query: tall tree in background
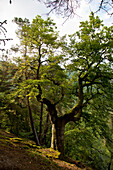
23 68
7 106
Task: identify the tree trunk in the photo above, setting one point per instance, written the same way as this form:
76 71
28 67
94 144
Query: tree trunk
32 123
110 163
45 130
57 141
40 131
54 138
58 123
60 136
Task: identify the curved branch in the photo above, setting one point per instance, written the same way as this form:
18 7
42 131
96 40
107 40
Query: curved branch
3 31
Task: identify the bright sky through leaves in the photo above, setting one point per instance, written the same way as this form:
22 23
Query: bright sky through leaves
30 8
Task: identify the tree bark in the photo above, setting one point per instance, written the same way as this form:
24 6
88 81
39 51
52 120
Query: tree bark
57 141
40 131
58 123
54 137
60 135
45 130
32 123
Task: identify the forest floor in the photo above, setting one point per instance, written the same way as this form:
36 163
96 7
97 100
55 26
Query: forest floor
22 154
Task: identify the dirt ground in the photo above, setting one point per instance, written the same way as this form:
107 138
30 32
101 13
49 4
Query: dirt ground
19 154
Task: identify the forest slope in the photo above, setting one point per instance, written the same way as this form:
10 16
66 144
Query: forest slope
23 154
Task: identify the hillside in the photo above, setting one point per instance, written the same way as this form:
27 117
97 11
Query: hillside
22 154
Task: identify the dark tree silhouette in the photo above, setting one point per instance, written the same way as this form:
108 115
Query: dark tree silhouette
68 8
10 1
3 32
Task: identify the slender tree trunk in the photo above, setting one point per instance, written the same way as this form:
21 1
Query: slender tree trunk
54 137
29 107
46 129
32 123
27 123
40 131
17 123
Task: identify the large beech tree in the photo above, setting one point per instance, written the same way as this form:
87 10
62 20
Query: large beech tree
66 75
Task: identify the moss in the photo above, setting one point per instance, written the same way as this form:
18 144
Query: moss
3 141
6 145
4 137
35 146
30 144
43 159
50 153
9 142
34 153
25 147
16 140
6 141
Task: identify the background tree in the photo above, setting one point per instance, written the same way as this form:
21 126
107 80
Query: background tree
8 108
41 40
89 136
